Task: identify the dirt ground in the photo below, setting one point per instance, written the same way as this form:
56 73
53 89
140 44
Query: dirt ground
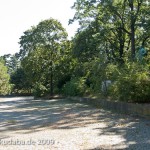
61 124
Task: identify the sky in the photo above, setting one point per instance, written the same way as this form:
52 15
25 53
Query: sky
17 16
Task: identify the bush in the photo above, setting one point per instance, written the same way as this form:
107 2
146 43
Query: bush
132 83
39 90
75 87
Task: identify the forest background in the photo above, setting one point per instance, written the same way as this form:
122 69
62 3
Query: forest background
111 44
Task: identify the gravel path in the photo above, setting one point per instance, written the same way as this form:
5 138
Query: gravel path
60 124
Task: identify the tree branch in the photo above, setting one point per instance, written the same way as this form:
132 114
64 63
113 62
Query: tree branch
125 30
144 40
138 9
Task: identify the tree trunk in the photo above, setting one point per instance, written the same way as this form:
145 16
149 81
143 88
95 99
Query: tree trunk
132 41
51 81
51 71
121 40
132 34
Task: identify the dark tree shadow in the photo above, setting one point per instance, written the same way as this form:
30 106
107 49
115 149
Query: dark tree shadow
25 113
34 114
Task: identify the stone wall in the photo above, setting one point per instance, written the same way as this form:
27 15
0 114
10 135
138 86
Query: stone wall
142 110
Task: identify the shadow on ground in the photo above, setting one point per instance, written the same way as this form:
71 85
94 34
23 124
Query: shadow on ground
25 113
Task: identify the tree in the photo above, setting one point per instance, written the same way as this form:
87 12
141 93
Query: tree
120 21
4 79
12 62
20 83
42 44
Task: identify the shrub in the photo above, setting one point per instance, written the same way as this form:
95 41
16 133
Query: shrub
39 90
132 83
75 87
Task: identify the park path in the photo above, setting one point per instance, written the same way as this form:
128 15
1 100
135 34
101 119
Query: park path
61 124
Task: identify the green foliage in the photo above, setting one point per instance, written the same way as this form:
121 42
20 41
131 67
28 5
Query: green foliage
39 90
110 33
12 62
132 83
104 48
43 52
20 82
116 25
75 87
4 80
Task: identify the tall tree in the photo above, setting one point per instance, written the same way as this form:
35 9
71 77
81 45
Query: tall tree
118 19
44 43
4 79
12 62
